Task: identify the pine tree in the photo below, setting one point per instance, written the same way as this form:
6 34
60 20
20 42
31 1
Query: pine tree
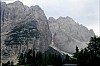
90 54
67 59
29 57
50 59
39 58
76 54
59 60
21 59
33 57
12 64
8 63
94 50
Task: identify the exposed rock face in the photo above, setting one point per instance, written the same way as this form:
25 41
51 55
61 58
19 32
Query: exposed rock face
67 34
14 14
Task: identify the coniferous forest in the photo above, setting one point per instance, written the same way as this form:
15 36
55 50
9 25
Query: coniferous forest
87 56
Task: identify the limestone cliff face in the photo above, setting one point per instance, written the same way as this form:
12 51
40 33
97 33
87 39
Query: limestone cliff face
16 14
67 34
64 33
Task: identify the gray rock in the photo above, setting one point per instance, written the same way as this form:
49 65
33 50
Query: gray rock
67 34
14 14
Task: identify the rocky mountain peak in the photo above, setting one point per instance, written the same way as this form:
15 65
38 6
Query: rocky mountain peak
67 19
17 16
61 17
68 33
51 19
16 3
3 3
37 7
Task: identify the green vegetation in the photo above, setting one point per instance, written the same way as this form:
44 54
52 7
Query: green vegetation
89 55
34 58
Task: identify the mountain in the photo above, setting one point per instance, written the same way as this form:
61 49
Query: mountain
67 34
19 17
24 27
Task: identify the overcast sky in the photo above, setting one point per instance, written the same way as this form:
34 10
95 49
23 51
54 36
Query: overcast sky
85 12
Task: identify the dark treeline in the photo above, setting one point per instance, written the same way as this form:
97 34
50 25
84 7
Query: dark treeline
84 57
89 55
8 63
35 58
